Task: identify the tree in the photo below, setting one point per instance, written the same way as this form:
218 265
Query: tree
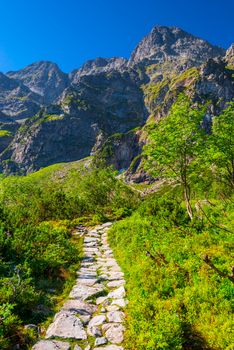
221 150
175 143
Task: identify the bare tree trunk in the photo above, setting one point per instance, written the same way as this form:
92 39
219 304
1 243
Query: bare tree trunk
187 201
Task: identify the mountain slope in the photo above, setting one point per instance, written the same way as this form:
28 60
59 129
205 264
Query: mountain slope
109 96
43 78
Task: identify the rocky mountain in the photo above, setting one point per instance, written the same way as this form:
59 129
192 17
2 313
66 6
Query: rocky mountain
172 43
43 78
97 108
230 56
98 66
17 101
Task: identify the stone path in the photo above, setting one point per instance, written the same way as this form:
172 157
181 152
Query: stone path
93 316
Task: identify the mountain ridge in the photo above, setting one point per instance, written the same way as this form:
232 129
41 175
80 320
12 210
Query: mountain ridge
70 116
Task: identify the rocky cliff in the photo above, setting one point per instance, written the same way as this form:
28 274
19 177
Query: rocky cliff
97 108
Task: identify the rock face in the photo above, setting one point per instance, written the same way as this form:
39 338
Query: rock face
87 114
230 56
164 43
43 78
97 108
17 101
99 65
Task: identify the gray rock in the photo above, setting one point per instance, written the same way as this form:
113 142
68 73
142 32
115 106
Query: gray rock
97 320
117 283
115 316
114 332
66 325
80 307
51 345
117 293
100 341
77 347
120 302
109 347
83 292
94 331
165 43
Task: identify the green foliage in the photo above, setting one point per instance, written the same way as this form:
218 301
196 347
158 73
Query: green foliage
175 300
37 251
221 147
176 145
5 133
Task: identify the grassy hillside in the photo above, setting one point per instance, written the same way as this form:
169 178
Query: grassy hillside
38 254
177 271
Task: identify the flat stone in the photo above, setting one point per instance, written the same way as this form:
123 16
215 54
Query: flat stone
90 239
109 347
97 320
80 307
100 300
107 224
77 347
86 281
120 302
51 345
84 292
117 293
66 325
114 332
94 331
117 283
115 316
116 276
112 308
100 341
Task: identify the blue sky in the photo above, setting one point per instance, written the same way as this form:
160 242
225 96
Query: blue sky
69 32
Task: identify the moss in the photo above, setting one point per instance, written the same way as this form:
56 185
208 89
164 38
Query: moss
186 77
78 102
5 133
153 90
52 117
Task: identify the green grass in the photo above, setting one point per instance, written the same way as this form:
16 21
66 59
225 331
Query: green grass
39 255
5 133
175 300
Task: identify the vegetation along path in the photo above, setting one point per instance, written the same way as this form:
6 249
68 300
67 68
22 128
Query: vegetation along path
92 317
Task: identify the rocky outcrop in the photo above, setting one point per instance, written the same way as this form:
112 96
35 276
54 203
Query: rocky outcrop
88 318
166 43
97 66
16 100
43 78
96 108
87 114
230 56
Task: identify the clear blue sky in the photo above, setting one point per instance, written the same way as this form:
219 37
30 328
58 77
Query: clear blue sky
69 32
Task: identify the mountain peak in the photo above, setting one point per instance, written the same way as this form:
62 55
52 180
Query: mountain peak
164 43
43 78
99 65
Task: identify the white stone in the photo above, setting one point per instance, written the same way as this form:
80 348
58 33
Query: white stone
114 332
66 325
97 320
117 293
115 316
109 347
117 283
84 292
80 307
51 345
100 341
120 302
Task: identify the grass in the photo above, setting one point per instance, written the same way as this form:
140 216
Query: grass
175 300
5 133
